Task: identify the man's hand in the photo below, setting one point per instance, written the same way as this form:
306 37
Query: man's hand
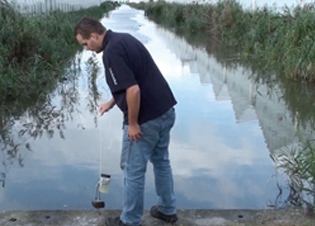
106 107
134 132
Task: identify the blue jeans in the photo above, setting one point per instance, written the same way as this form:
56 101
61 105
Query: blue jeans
152 146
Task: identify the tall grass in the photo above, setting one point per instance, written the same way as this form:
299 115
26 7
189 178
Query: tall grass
281 42
34 50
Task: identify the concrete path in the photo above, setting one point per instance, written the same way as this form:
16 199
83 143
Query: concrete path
286 217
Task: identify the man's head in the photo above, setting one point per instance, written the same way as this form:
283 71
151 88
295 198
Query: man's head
90 33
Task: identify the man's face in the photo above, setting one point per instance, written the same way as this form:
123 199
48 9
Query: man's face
93 43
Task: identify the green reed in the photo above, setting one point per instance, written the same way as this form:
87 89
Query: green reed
279 41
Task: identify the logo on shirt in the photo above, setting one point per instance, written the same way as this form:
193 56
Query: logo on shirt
112 75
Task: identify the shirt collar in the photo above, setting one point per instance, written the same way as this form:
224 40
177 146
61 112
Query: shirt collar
107 37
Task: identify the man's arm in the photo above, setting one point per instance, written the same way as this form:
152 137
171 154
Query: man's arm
133 103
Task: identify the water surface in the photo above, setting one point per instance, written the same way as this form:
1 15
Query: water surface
227 126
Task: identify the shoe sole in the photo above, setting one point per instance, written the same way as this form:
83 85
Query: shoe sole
158 215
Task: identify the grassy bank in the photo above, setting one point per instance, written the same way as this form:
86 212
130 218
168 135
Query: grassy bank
34 50
280 43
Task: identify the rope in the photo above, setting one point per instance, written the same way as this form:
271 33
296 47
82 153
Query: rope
100 149
101 146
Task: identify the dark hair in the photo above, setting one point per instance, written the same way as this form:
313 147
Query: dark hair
86 26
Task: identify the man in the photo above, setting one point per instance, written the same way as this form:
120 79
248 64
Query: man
146 100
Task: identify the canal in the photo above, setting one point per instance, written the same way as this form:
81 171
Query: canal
228 127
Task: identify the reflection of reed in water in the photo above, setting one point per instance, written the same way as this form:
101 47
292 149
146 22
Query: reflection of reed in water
297 163
94 95
28 119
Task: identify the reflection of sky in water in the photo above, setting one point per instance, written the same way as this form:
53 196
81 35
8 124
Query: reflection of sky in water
217 162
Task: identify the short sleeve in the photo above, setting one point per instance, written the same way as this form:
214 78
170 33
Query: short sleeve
119 75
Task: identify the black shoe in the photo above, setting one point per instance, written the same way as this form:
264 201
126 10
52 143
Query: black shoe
159 215
114 222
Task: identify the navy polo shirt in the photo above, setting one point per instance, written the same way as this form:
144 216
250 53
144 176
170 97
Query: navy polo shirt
127 62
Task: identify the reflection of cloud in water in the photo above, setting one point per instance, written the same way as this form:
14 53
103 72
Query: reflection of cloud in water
197 142
130 24
207 163
214 159
81 148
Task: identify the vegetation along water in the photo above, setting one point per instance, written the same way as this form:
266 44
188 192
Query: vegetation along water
281 41
35 49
